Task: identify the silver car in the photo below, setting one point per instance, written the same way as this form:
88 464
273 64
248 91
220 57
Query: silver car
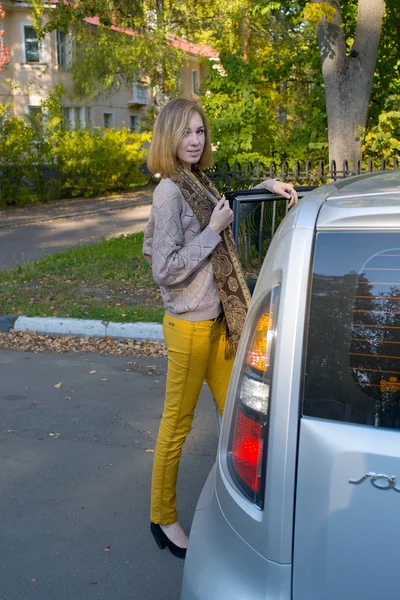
303 502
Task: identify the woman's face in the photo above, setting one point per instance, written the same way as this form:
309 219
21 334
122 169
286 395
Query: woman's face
192 143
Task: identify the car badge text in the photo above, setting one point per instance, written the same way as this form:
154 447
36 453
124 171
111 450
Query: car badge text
378 480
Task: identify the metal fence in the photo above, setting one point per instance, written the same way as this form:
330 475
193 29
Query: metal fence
257 216
237 176
21 183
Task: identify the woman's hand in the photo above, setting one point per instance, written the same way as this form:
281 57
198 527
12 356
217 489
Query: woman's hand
222 216
287 190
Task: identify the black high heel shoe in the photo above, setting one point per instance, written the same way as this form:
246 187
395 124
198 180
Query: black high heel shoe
163 540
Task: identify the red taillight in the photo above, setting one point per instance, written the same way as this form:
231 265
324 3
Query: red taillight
247 451
249 426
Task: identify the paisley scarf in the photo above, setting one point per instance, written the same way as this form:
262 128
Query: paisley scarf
232 287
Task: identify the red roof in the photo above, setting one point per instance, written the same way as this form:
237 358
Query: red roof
172 39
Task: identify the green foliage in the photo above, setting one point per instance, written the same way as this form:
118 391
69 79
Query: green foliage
104 62
41 160
130 39
383 139
236 109
92 162
263 104
386 81
315 12
268 97
23 153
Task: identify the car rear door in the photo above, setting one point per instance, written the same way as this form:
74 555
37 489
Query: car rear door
347 524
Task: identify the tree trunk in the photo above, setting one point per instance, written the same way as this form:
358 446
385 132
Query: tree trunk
348 78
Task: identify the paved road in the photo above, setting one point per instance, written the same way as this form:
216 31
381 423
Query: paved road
65 498
24 243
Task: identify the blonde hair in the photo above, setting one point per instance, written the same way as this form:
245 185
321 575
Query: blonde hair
169 128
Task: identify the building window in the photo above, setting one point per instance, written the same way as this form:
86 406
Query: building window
67 117
62 50
31 44
195 82
140 92
75 117
108 118
88 115
79 117
36 118
35 112
134 124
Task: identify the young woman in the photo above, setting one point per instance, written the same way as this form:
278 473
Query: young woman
189 244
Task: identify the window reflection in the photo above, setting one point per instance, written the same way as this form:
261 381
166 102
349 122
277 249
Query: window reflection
375 342
353 352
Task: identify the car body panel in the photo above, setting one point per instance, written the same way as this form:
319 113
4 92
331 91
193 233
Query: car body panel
287 262
231 537
377 213
208 572
342 529
368 184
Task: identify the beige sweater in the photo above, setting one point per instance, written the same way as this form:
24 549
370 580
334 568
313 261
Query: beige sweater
179 253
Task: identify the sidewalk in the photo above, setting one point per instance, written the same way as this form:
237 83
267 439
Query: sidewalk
151 332
64 209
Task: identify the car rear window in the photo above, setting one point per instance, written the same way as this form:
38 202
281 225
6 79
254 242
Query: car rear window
352 367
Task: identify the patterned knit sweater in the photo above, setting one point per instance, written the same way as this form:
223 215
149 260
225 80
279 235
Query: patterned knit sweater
179 254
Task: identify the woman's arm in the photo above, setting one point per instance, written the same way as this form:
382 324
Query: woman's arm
173 260
280 187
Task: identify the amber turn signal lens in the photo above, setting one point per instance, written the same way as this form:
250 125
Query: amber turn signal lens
259 352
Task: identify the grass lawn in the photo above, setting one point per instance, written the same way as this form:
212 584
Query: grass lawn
109 280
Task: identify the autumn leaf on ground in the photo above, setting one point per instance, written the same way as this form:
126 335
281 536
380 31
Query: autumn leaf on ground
107 549
31 342
58 385
33 580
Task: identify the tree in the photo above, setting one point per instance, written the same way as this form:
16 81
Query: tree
276 108
132 38
269 92
348 75
4 53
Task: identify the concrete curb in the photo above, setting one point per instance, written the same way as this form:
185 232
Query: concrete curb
151 332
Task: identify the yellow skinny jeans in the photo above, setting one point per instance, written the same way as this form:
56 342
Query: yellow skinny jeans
196 352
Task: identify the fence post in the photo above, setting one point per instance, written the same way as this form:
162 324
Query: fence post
321 173
296 171
333 170
308 168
